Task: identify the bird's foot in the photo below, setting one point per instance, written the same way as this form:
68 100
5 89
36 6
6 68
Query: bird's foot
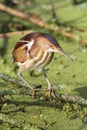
35 90
52 93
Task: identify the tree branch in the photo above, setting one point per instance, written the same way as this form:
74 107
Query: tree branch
53 9
29 17
9 34
61 97
72 36
35 19
11 79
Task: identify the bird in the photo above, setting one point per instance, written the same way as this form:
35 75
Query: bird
34 51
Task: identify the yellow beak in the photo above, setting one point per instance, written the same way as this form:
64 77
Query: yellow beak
63 52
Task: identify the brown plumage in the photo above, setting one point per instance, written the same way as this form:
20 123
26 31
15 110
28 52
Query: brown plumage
34 51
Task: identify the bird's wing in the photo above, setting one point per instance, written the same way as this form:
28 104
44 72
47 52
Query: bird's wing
20 54
51 39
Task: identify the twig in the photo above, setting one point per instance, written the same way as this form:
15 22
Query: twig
35 19
53 9
9 34
29 17
72 99
61 97
60 31
11 79
72 36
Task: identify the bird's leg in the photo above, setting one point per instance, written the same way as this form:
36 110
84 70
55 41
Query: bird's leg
50 88
35 90
24 81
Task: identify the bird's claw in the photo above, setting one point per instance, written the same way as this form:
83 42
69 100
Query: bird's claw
52 93
35 90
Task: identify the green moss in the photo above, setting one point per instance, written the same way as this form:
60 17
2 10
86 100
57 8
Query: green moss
67 77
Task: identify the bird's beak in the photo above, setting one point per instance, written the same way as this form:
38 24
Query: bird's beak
59 49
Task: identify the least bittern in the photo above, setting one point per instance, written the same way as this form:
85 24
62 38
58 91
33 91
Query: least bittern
34 51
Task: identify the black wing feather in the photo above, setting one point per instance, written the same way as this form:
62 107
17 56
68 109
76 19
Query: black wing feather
51 39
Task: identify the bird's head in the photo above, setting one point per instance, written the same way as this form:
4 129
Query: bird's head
51 45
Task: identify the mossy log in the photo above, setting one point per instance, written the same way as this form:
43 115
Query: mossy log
60 97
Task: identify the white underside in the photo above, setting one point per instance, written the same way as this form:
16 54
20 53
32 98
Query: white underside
30 64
